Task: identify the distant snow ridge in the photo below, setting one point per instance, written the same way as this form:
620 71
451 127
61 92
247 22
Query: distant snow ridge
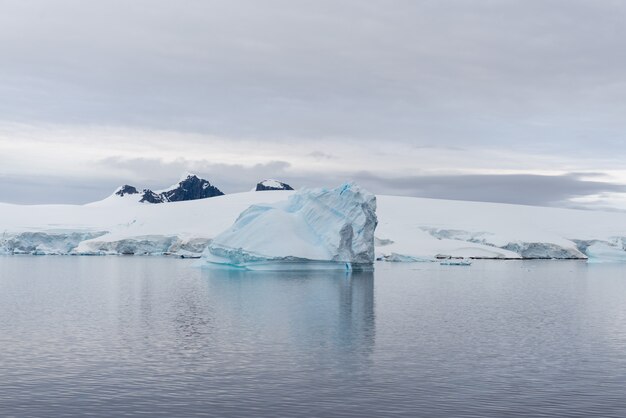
314 228
272 185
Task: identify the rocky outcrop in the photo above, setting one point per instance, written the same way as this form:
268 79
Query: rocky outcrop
191 188
266 185
126 189
148 196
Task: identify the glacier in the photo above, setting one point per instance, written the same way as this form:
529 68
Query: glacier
597 251
312 229
409 229
44 243
143 245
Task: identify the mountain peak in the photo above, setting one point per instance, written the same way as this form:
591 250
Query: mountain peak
270 184
148 196
126 189
191 188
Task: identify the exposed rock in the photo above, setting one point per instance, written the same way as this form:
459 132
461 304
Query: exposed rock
148 196
266 185
126 189
191 188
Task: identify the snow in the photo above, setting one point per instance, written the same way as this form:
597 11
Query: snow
409 228
272 183
313 225
182 178
429 227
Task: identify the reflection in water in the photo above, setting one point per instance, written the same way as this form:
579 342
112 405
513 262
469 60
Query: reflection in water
332 311
118 336
309 319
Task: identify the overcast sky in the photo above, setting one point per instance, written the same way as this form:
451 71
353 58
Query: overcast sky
492 100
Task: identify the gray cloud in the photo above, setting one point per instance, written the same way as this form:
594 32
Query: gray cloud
541 78
513 73
320 155
45 189
157 174
139 172
517 189
231 178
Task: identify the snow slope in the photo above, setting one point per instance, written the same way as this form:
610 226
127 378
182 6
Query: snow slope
409 229
429 227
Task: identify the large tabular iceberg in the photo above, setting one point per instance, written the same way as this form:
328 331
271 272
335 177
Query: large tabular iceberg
313 228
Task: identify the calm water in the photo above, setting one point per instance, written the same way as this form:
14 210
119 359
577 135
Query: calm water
116 336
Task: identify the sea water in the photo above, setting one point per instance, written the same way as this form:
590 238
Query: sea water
156 336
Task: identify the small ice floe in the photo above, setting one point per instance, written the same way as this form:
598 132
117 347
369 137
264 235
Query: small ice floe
456 262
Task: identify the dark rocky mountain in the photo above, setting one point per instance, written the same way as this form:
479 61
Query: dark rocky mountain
126 189
272 185
191 188
148 196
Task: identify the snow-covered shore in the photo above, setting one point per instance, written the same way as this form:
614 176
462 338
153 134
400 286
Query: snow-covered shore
409 229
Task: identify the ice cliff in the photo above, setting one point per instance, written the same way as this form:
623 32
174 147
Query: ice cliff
313 228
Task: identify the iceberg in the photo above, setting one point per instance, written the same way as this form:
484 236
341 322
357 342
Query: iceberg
312 229
606 252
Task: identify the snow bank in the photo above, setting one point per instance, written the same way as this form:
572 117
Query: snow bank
314 228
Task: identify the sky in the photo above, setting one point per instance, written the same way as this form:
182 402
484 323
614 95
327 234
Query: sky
488 100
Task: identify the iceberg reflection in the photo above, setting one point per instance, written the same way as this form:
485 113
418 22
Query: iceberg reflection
319 311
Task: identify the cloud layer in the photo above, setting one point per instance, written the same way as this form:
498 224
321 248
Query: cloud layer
415 93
